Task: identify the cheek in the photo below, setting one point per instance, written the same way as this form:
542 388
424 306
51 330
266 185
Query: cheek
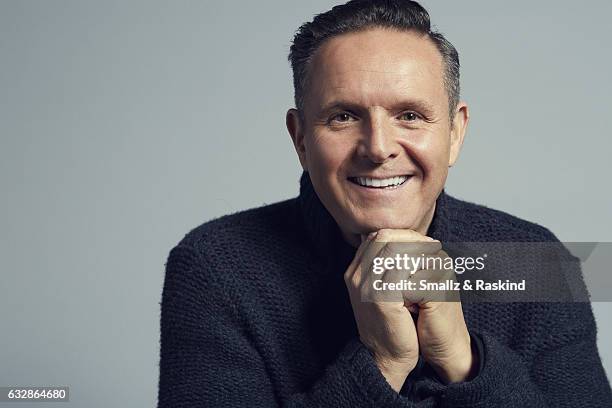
430 151
327 153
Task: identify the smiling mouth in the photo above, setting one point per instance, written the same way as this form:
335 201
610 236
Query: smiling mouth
386 183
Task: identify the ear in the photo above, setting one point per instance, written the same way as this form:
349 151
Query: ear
296 131
458 128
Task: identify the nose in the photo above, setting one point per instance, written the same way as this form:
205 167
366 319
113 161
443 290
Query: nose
378 142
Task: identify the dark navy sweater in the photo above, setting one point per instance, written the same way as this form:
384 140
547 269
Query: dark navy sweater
255 313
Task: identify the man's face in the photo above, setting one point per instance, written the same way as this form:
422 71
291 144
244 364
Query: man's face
376 137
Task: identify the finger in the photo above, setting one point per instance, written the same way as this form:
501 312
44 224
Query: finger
365 237
365 244
402 235
387 246
363 247
434 285
408 241
380 262
435 282
387 243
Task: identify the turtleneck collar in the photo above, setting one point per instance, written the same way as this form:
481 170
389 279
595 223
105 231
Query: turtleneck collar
325 235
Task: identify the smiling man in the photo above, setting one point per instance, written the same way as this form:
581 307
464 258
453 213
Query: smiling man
266 307
377 129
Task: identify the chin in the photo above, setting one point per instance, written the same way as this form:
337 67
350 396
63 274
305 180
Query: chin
367 223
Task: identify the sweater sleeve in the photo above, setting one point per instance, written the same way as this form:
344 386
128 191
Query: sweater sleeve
566 373
208 359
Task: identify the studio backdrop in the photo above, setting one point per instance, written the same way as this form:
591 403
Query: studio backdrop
124 124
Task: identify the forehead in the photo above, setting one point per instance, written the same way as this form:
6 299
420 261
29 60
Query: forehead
376 67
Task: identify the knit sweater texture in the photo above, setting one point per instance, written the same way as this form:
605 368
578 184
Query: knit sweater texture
255 313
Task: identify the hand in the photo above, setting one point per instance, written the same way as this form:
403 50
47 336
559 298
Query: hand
444 340
386 328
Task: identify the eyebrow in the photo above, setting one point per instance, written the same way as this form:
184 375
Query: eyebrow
417 105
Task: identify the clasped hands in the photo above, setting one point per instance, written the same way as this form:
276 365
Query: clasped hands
388 329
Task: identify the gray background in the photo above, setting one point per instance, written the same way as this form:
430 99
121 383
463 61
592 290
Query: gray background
125 124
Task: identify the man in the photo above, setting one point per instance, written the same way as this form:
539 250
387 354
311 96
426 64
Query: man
264 307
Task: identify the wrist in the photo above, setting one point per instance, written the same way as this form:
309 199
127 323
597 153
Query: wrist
395 372
459 368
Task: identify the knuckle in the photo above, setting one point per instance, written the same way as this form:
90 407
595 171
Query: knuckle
386 251
347 276
384 235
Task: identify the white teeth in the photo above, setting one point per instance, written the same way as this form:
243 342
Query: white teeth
371 182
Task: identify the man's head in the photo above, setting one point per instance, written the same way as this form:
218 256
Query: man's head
377 96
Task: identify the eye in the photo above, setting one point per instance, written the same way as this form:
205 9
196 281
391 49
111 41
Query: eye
342 117
409 116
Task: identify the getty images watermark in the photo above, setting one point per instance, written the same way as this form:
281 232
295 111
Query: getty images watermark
486 272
